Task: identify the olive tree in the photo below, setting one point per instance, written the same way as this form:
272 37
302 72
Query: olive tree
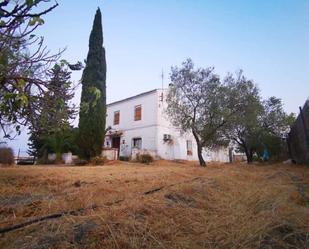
257 124
244 126
196 103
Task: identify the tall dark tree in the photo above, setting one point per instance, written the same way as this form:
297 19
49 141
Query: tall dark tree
92 115
54 110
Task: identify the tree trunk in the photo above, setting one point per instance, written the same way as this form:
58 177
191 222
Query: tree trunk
249 154
58 157
199 149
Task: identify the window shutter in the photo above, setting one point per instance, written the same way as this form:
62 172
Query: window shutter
116 117
138 113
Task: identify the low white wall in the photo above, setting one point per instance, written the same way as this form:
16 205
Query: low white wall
147 134
220 154
110 153
51 156
67 158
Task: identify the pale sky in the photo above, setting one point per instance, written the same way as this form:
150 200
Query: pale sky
268 39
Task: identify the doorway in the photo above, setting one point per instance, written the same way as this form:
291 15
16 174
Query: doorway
116 144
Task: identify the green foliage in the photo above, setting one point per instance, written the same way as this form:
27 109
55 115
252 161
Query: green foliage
92 116
124 158
51 120
226 112
80 162
29 2
144 158
258 124
24 61
36 21
6 156
59 142
98 160
275 145
243 127
196 103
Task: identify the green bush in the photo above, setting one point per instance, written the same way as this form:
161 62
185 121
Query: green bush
44 160
6 156
80 162
257 158
124 158
144 158
98 160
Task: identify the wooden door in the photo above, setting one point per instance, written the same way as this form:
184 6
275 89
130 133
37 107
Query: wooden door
116 144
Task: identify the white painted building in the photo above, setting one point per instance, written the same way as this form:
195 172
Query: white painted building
140 124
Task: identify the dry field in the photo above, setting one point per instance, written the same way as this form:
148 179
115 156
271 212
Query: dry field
162 205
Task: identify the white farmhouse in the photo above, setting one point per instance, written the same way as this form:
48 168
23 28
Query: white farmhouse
139 124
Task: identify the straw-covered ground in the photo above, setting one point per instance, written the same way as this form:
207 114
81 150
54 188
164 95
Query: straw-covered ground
162 205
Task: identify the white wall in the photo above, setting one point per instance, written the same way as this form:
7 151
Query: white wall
147 134
177 149
126 108
146 128
152 127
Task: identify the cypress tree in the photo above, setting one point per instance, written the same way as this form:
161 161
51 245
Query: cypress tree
92 115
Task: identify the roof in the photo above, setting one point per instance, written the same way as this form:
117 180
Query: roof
133 97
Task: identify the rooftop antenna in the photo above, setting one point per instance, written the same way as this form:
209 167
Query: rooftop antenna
162 78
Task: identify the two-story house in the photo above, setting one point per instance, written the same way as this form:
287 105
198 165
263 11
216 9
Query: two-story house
140 124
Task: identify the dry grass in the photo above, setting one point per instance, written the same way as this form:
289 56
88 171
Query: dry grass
221 206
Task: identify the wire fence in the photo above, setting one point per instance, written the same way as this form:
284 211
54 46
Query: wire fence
298 138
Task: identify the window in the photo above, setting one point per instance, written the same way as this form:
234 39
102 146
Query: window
116 117
189 147
137 143
137 113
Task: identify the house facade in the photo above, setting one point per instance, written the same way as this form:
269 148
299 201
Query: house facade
139 124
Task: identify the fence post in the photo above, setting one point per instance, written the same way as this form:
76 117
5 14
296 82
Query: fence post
18 155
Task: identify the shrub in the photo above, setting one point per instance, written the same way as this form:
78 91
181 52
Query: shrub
41 160
124 158
144 158
80 162
98 160
44 160
6 156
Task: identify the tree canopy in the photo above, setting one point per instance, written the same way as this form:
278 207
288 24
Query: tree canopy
225 112
54 112
24 60
196 104
258 125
